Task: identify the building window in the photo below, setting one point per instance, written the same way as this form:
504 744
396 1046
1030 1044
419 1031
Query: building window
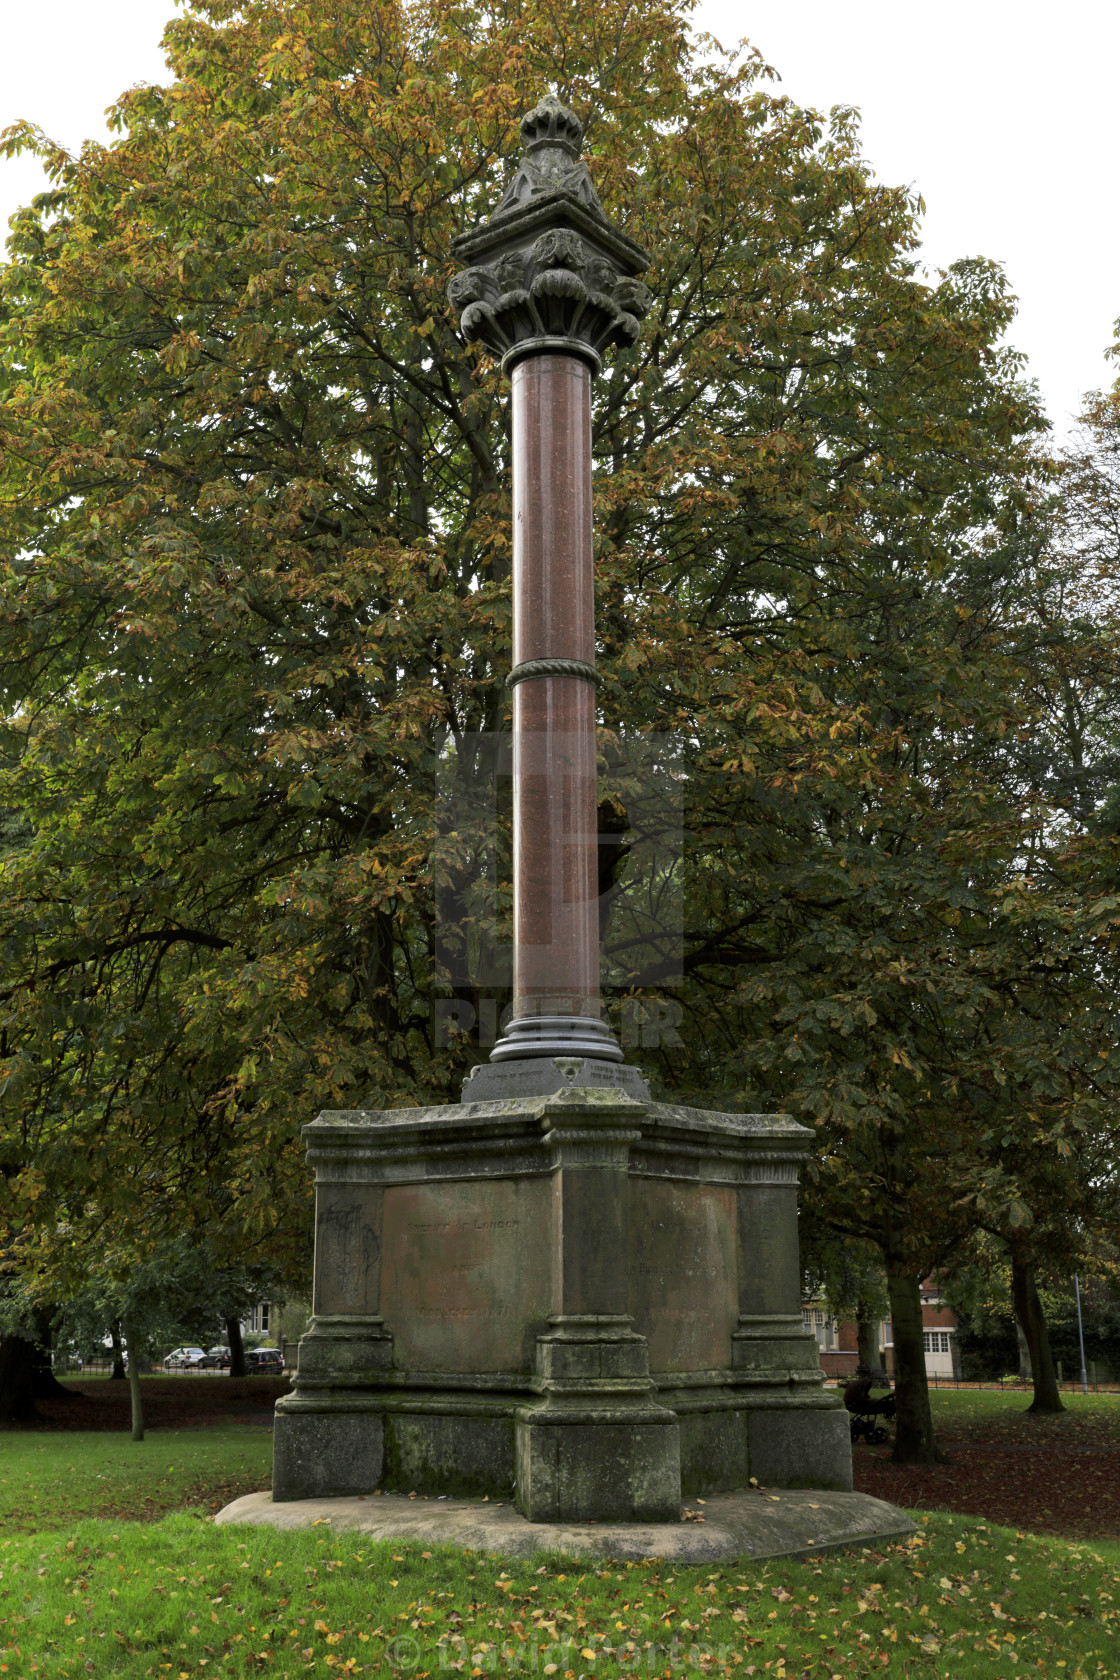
819 1325
936 1341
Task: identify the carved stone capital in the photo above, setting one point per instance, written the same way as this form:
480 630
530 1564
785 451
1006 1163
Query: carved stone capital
548 271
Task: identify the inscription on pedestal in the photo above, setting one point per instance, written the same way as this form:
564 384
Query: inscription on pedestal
347 1247
466 1273
682 1272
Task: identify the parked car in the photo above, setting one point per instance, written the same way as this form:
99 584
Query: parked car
215 1359
184 1359
265 1361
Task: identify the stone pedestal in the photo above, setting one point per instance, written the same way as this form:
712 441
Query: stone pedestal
583 1300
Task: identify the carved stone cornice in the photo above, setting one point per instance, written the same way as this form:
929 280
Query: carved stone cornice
548 271
519 1136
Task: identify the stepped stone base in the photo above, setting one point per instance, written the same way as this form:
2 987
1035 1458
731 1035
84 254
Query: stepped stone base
745 1525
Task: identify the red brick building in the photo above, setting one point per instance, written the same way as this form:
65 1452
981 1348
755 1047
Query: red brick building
839 1348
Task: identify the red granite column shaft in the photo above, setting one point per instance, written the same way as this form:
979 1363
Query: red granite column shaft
555 864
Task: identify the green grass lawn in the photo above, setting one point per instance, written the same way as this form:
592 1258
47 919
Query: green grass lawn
48 1480
182 1597
979 1411
85 1589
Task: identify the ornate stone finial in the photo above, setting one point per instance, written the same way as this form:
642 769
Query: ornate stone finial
551 124
548 270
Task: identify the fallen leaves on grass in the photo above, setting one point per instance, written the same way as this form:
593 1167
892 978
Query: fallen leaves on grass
185 1597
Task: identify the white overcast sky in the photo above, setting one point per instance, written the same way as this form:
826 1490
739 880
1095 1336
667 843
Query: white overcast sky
1001 113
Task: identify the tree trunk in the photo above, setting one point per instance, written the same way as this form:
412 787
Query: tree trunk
117 1374
44 1384
26 1376
133 1346
17 1379
867 1338
1025 1375
1032 1322
236 1348
913 1441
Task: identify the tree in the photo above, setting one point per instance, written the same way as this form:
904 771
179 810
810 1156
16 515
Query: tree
170 1291
849 1274
1065 764
26 1373
981 1295
116 1340
237 1366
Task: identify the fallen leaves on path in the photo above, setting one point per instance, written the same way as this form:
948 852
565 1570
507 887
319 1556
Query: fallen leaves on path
1051 1475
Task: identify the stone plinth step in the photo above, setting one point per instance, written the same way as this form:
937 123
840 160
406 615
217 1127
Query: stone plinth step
762 1523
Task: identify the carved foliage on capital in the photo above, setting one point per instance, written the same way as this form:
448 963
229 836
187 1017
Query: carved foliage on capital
557 288
549 265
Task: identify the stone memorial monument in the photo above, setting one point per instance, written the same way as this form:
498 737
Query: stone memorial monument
556 1290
